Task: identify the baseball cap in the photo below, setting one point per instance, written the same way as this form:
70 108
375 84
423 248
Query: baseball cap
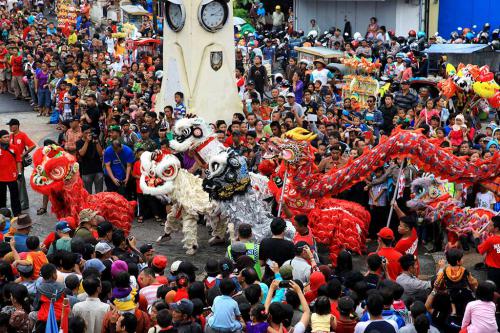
144 129
250 83
286 272
13 121
183 306
386 233
180 266
84 76
116 128
226 265
63 226
87 214
160 262
102 247
95 263
25 269
290 94
146 248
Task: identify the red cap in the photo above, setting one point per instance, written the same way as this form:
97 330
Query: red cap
386 233
160 262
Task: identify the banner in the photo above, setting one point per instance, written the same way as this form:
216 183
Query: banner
67 13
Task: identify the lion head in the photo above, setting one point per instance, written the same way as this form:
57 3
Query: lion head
227 175
52 169
189 133
426 190
158 172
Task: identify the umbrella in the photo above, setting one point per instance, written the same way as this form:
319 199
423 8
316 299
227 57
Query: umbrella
238 21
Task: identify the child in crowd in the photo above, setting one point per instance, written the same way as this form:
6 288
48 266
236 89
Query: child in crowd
258 323
180 108
457 281
321 319
226 315
124 297
378 202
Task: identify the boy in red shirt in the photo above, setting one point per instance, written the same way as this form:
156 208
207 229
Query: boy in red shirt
391 256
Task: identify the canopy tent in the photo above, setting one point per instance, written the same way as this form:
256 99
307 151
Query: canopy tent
477 54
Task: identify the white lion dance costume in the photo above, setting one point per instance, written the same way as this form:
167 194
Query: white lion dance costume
228 181
162 176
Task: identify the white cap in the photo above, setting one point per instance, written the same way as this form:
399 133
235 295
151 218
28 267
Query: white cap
290 94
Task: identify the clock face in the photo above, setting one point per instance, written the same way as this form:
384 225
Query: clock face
213 15
176 16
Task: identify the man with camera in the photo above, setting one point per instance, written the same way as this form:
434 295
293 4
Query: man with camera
90 152
118 160
90 113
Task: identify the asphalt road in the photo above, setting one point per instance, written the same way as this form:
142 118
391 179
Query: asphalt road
38 130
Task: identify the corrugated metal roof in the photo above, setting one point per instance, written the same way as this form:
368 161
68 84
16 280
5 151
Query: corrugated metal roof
458 48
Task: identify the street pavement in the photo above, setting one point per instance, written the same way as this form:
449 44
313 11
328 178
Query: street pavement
38 130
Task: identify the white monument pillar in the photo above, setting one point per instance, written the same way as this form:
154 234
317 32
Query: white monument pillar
198 58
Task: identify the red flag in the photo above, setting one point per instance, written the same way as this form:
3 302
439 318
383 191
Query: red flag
401 185
64 316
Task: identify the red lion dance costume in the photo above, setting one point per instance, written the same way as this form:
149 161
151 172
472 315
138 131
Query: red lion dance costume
55 174
336 223
304 184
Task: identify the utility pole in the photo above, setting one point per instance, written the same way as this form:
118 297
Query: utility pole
118 11
155 15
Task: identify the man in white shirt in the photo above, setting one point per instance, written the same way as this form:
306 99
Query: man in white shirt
301 268
278 19
92 310
293 107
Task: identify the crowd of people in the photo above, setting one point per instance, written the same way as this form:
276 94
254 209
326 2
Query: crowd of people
100 280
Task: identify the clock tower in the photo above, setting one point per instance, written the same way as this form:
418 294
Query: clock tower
198 58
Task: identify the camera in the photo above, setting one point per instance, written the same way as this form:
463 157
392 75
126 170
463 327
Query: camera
284 284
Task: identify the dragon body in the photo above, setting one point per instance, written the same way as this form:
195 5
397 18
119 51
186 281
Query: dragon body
55 174
410 144
432 198
336 223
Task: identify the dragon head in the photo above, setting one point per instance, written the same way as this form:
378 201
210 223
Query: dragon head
294 147
426 190
227 175
52 169
158 172
189 133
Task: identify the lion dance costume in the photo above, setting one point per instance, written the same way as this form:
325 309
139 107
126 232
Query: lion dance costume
55 174
432 198
162 176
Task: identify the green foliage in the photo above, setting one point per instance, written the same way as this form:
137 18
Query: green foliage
239 9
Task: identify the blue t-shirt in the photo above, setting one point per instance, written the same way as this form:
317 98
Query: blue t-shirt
126 155
225 310
21 242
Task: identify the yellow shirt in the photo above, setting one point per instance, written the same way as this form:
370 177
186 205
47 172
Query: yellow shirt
72 38
320 323
126 303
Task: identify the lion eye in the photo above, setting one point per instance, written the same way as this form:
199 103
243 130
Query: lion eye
168 172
